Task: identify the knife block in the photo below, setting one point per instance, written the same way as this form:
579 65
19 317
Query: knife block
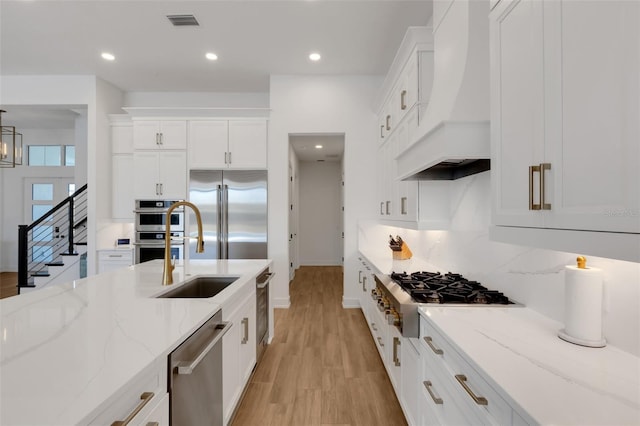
403 254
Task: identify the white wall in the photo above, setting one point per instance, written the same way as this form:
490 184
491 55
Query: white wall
321 104
196 100
320 213
534 277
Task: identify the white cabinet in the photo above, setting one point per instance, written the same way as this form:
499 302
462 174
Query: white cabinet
411 381
565 151
122 200
160 134
110 260
394 347
233 144
239 348
147 395
160 175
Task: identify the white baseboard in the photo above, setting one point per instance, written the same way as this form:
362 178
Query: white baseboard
348 303
281 302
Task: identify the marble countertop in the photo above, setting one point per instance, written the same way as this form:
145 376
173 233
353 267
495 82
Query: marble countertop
554 382
66 349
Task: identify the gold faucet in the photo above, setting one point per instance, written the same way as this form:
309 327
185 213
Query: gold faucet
167 271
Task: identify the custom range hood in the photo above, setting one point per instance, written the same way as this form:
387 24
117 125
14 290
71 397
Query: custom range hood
453 135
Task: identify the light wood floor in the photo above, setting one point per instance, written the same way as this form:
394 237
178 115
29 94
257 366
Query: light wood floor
8 283
322 367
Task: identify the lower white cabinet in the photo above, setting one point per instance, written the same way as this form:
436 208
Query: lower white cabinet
110 260
410 390
143 401
238 348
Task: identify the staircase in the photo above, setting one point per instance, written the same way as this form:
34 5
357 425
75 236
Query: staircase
52 247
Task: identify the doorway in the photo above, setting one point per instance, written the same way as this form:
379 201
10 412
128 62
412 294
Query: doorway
316 200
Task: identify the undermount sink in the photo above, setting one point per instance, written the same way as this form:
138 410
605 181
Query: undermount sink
200 287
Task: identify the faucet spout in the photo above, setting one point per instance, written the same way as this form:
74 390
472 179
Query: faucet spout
169 266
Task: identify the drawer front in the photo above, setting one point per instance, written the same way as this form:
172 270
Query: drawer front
467 385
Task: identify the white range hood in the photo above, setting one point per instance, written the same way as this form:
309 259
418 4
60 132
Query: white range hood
453 134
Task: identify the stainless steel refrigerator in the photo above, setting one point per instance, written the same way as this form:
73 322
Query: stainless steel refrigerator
233 205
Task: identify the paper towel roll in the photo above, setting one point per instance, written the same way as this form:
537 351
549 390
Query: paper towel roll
583 307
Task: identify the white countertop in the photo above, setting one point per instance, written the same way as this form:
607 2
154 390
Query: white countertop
66 349
555 382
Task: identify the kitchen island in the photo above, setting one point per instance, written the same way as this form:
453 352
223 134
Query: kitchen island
68 350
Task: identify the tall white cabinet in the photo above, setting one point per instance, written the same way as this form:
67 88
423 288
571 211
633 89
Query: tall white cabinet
565 107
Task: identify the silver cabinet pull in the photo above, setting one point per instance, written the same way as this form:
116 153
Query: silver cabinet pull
157 138
145 397
532 170
380 341
388 208
543 168
364 283
245 323
462 379
381 130
161 141
381 208
428 385
229 157
115 255
396 343
403 205
403 104
157 189
225 158
359 276
188 367
429 341
373 325
388 122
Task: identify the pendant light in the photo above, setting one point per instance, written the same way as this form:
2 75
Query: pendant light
10 145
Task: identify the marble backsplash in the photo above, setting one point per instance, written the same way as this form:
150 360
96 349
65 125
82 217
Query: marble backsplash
534 277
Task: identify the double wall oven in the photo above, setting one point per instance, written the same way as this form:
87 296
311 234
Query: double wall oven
151 216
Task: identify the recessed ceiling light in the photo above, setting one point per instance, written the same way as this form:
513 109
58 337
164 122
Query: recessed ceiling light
314 57
211 56
108 56
318 146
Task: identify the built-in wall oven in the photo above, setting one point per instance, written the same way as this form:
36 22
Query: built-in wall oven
150 230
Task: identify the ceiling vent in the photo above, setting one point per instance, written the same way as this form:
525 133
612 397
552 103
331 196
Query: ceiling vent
183 20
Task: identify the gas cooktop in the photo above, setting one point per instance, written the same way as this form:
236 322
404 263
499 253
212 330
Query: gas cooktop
449 288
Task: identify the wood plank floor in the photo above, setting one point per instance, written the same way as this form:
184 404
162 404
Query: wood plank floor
322 367
8 283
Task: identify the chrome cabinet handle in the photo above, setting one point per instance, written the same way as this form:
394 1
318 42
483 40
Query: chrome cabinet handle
462 379
388 208
403 205
388 122
532 170
380 341
157 138
428 385
381 130
396 343
543 168
188 367
265 283
161 141
157 189
373 325
381 208
359 276
245 323
403 105
145 397
161 188
225 158
229 157
429 341
364 284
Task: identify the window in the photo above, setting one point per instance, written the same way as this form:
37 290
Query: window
52 155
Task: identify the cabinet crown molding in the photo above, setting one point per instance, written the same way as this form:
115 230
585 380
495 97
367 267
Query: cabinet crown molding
196 112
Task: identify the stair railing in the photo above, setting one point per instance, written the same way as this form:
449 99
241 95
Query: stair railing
54 234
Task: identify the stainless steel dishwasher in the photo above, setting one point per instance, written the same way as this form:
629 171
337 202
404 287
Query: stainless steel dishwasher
195 376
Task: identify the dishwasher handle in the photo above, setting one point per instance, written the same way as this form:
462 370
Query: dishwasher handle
186 367
264 283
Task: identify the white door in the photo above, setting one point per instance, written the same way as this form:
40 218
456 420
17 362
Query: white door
41 195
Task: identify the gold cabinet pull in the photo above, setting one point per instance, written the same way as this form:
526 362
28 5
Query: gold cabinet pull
429 341
403 104
145 397
388 122
532 170
396 343
428 385
462 379
543 168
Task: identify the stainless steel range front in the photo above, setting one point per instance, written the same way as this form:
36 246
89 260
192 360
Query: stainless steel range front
399 296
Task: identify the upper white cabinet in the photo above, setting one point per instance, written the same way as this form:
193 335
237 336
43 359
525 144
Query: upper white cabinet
232 144
122 199
160 134
565 129
160 175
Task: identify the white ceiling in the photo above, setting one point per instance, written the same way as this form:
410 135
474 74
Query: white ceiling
305 147
252 39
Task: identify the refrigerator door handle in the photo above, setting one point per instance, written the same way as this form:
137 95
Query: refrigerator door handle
219 218
226 221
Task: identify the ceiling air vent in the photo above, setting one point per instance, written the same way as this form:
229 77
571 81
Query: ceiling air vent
183 20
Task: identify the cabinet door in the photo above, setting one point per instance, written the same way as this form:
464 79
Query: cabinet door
146 135
231 371
248 340
394 349
208 144
517 110
248 144
145 175
411 374
122 198
173 134
122 138
173 174
592 115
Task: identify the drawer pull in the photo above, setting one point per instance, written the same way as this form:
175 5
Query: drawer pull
380 341
153 424
396 358
145 397
429 341
245 323
428 385
373 326
364 283
462 379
